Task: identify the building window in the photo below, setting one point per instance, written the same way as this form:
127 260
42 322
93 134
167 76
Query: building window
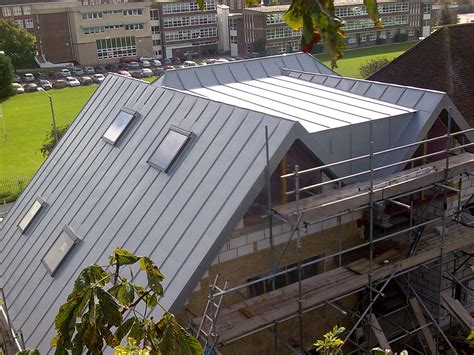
274 18
116 47
372 36
363 37
358 24
285 279
427 22
169 148
91 15
170 22
133 12
94 30
20 23
177 7
411 33
118 126
154 14
191 34
59 250
282 32
29 23
232 25
155 30
17 11
27 10
427 8
7 11
31 214
156 42
352 39
134 26
233 39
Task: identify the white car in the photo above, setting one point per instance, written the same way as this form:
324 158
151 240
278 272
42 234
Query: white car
190 63
71 81
146 64
147 72
18 88
98 78
65 72
28 78
155 63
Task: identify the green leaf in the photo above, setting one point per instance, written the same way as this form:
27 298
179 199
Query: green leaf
109 308
78 341
123 257
124 293
154 276
175 337
373 12
91 275
124 329
28 352
137 330
293 17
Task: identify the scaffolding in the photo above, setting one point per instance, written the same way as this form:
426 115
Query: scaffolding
418 249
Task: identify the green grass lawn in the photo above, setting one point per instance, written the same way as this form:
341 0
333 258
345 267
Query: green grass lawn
28 119
352 60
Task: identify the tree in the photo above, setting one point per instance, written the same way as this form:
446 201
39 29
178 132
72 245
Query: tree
17 43
95 313
6 77
50 140
331 344
447 17
372 66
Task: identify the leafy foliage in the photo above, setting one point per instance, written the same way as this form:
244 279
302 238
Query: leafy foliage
447 16
330 344
50 141
6 77
94 313
372 66
318 22
17 43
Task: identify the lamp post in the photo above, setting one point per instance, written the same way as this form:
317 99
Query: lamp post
55 129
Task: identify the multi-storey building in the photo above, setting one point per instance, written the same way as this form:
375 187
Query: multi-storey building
181 29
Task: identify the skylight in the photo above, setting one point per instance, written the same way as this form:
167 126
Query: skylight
169 148
31 214
59 250
119 125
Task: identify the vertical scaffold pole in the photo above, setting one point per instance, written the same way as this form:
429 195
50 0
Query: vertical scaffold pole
298 249
371 223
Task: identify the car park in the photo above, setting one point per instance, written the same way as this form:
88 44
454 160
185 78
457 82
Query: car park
85 80
18 88
166 61
45 84
124 73
72 81
133 65
128 59
143 58
100 69
146 73
146 64
59 84
65 73
28 78
155 63
16 78
77 71
190 63
89 70
30 87
176 61
98 78
113 67
138 74
158 71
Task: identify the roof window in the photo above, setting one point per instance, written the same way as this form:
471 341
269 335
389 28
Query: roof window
59 250
119 125
169 148
31 214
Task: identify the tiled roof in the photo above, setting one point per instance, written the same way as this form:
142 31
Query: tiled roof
443 61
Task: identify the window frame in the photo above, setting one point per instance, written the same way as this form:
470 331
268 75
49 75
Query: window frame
181 131
128 111
75 240
42 202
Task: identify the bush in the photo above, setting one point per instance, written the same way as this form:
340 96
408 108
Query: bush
372 66
380 40
401 37
50 140
6 77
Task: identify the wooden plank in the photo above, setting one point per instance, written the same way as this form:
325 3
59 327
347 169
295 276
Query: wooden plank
430 343
457 310
361 266
379 334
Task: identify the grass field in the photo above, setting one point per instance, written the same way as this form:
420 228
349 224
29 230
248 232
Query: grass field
28 116
352 60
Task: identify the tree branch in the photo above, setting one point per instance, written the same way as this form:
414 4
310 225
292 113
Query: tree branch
137 301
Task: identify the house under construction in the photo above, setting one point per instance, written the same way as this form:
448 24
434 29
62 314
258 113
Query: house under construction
278 198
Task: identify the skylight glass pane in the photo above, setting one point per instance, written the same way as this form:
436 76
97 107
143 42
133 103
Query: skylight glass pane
118 126
59 250
30 215
169 148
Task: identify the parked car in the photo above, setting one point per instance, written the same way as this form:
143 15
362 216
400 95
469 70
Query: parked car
155 63
128 59
30 87
146 73
143 58
39 75
89 70
221 60
210 61
65 73
176 61
18 88
72 81
59 84
100 69
146 64
138 74
124 73
133 65
166 61
158 71
77 71
85 80
28 78
168 67
113 67
16 78
98 78
45 84
190 63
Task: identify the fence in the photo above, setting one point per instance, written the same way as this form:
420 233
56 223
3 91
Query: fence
12 187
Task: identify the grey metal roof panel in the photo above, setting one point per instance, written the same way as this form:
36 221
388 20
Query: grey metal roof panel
111 197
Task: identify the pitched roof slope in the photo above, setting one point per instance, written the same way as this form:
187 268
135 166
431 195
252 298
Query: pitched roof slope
443 61
111 197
